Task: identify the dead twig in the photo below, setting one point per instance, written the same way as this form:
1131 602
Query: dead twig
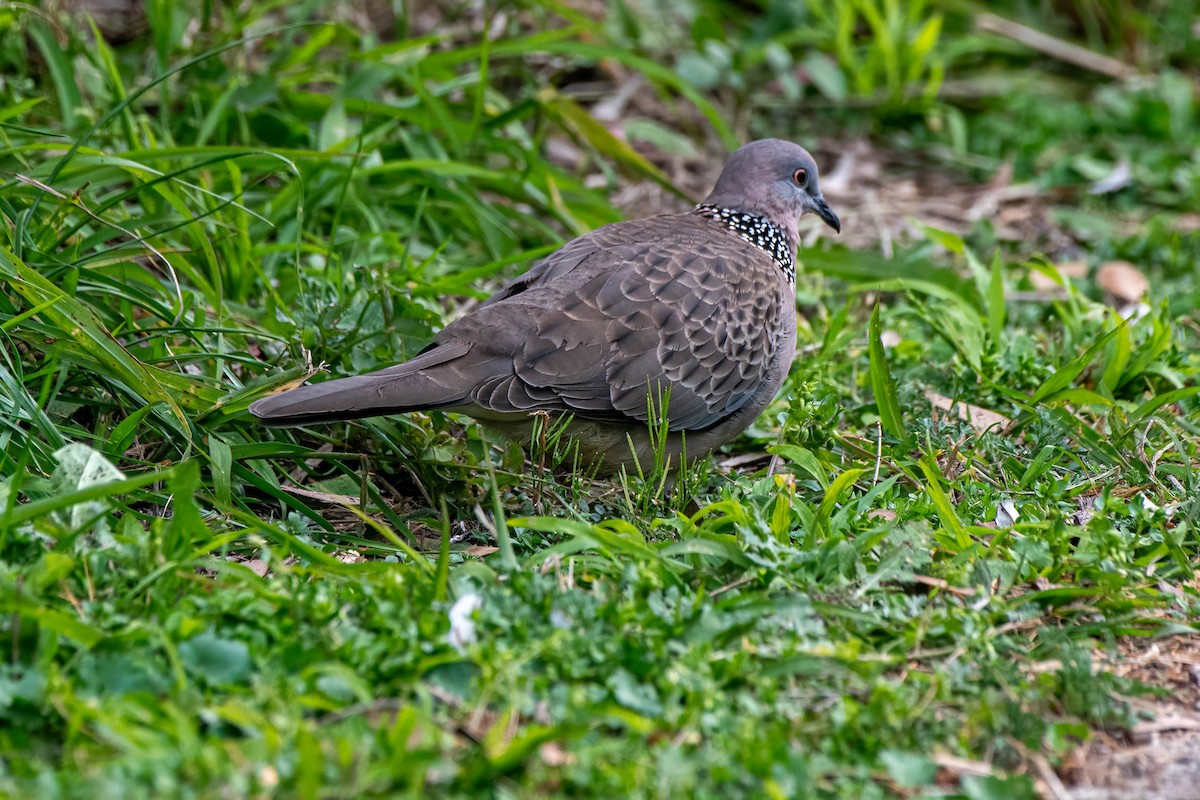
1055 48
730 586
939 583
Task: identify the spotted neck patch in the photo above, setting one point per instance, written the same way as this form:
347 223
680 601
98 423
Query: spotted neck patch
758 231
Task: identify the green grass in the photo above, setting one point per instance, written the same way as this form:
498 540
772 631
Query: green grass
187 227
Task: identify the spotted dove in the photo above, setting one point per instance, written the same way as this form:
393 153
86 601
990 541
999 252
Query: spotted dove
697 308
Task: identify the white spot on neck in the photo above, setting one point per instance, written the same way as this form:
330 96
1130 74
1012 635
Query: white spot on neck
758 231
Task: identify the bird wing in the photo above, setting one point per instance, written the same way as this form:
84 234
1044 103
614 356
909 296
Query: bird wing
671 307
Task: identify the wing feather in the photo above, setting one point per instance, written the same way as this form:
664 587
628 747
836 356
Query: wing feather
631 315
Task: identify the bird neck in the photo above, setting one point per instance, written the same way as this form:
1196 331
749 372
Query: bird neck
758 231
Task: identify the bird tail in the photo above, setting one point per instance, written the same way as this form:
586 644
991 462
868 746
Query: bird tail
411 386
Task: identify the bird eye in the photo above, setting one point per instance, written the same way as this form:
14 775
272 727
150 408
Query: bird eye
800 176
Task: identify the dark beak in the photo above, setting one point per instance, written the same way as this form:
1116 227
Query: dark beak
826 213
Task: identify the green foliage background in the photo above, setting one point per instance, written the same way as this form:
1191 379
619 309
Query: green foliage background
204 214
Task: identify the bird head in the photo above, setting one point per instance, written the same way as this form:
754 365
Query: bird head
774 179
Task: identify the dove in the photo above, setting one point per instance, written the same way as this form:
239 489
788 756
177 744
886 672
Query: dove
685 318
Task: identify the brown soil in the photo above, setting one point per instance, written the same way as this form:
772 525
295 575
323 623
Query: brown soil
1159 759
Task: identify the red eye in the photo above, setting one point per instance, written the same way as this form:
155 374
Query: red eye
800 176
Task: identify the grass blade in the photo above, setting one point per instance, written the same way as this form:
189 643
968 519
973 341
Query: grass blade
881 380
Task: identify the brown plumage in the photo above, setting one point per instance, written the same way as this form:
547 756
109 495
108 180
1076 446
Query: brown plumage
699 307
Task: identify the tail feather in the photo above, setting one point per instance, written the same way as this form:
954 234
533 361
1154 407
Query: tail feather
415 385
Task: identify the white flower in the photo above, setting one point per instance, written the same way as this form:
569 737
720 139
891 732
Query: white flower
462 623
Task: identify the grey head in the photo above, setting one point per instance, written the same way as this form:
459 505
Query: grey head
776 180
